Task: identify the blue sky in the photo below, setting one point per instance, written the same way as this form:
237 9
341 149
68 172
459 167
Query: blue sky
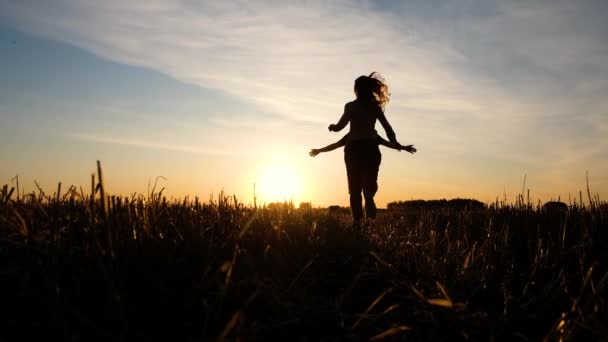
211 94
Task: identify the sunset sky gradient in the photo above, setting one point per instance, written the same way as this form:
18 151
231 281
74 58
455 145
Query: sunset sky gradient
211 94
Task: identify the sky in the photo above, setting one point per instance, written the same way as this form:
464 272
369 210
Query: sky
231 95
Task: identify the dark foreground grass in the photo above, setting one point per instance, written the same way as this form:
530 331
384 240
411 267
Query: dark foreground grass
78 268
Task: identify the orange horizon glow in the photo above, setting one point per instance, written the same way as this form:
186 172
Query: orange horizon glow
281 182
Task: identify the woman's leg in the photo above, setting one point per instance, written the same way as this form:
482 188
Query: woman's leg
352 159
370 180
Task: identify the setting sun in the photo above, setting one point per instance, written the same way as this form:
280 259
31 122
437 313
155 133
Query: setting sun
278 183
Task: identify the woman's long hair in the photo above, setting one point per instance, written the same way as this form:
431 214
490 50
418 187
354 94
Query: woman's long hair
372 88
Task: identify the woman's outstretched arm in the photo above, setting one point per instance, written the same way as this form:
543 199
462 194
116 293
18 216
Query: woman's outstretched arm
342 122
387 128
313 152
396 146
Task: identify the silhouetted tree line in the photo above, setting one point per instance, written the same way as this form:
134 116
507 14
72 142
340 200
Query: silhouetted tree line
457 203
280 206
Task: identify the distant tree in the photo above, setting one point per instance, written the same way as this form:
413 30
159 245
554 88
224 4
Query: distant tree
334 209
463 203
457 203
280 205
553 207
305 206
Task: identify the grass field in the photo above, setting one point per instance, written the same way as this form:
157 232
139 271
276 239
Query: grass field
80 267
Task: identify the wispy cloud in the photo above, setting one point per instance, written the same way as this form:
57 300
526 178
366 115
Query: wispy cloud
296 59
104 139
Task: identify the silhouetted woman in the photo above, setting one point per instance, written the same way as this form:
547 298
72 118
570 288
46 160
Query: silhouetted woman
361 154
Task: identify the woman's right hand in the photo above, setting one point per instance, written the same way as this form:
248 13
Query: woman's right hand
410 149
313 152
332 128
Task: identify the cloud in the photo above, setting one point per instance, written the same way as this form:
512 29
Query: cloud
149 144
295 59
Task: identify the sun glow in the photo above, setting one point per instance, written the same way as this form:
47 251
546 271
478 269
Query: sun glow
278 183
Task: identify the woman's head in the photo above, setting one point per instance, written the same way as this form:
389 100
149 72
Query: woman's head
372 88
